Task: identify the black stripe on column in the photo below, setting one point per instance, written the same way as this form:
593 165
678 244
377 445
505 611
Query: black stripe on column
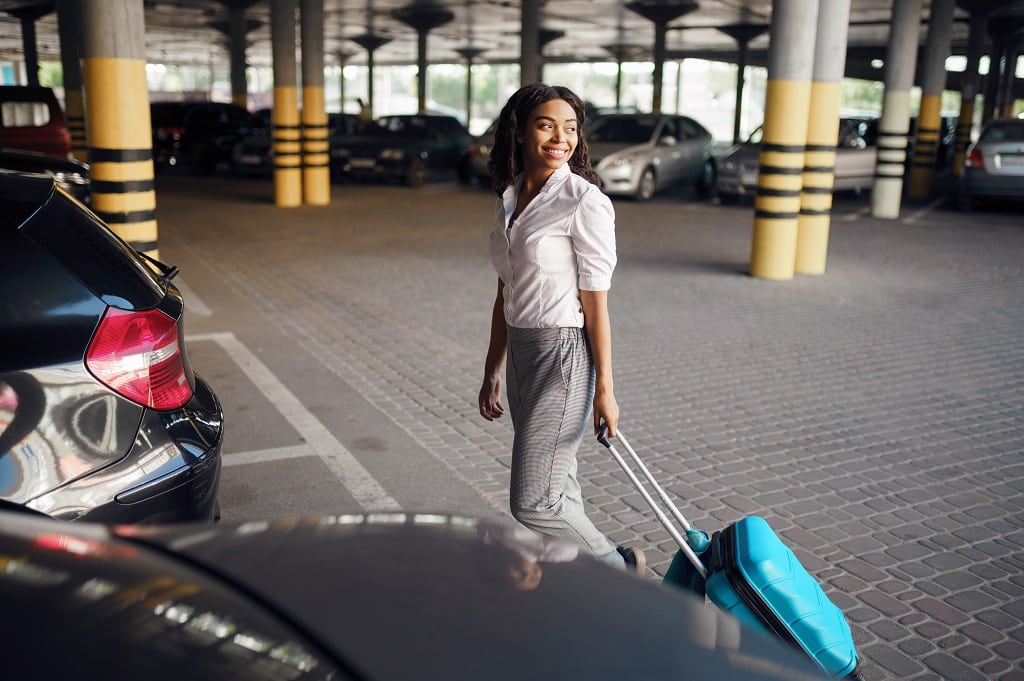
105 187
122 218
97 155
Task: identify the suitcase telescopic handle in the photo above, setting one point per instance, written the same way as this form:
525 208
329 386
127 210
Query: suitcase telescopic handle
684 546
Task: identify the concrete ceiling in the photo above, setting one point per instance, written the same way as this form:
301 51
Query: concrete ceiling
185 31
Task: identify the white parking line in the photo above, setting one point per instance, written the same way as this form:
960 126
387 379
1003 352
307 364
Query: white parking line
918 214
855 215
356 479
265 455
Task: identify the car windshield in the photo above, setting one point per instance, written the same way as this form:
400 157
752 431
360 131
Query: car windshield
623 130
999 132
401 126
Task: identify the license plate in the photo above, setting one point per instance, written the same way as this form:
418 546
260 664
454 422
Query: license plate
1015 160
250 160
362 163
748 177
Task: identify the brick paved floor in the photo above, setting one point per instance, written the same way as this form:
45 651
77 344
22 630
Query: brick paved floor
874 415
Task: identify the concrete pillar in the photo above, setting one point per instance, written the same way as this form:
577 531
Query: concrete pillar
900 63
236 47
995 63
657 78
529 43
316 149
660 12
929 118
235 29
28 16
343 56
742 34
623 52
285 118
424 16
1006 89
69 25
822 133
787 111
969 89
469 54
117 119
370 42
547 35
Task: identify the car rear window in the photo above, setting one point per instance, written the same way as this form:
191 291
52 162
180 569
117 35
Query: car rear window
94 254
166 114
1011 130
24 114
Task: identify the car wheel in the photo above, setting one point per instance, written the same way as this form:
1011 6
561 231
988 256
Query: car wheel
646 186
416 173
466 170
706 181
204 161
965 202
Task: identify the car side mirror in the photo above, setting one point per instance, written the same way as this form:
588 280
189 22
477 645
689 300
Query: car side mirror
668 141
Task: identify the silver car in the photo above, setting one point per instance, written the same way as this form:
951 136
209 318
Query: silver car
994 167
638 155
856 152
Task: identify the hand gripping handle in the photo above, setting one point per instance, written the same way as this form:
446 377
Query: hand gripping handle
693 536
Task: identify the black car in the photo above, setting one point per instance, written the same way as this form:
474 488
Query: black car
409 148
101 415
72 175
378 597
199 135
254 153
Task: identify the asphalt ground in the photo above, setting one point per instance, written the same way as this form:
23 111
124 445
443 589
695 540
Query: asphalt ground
874 415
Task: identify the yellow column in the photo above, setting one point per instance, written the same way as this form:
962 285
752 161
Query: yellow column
287 148
926 145
316 153
75 110
818 179
120 148
777 204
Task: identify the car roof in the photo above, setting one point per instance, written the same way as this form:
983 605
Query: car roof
392 595
22 195
34 161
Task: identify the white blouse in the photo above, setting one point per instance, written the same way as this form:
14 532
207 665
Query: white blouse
563 241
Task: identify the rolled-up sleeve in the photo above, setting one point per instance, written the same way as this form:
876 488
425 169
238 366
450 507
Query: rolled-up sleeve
593 238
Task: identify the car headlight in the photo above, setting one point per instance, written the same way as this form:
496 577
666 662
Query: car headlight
620 162
729 165
391 155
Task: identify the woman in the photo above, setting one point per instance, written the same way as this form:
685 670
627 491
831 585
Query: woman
553 246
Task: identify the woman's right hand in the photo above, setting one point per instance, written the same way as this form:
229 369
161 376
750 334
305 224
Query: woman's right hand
490 397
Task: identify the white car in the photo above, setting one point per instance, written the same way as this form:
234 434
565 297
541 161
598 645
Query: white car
638 155
856 152
994 167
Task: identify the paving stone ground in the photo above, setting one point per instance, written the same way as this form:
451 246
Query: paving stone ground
874 415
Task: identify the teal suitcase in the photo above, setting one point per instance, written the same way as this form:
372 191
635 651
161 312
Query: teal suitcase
747 571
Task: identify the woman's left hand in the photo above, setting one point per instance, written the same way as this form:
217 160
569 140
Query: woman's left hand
606 409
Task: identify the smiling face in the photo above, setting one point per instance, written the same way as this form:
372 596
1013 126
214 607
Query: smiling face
549 138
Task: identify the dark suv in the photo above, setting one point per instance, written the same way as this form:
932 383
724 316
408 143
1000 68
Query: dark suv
201 135
101 415
408 148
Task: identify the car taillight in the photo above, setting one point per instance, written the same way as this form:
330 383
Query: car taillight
136 354
975 159
166 132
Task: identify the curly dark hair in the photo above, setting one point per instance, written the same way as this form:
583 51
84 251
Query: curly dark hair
506 154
